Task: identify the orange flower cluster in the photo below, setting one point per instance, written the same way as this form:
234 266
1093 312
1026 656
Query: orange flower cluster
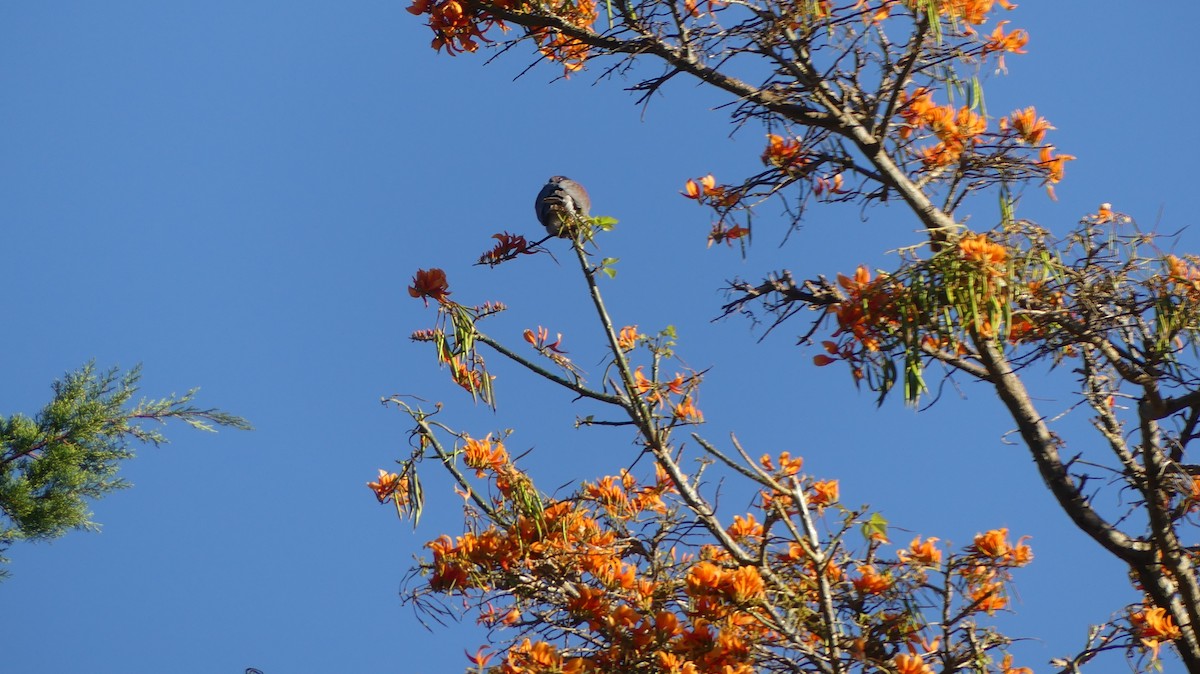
784 153
454 27
460 29
616 599
390 485
955 129
1153 627
866 318
622 497
788 466
738 586
995 546
1030 129
992 555
982 250
718 197
471 378
528 657
658 393
867 310
1183 276
706 189
558 46
633 608
1023 328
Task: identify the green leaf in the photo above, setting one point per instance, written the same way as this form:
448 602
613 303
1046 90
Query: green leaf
875 527
606 266
604 222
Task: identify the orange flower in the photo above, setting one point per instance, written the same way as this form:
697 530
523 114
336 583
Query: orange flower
385 485
1105 214
538 339
979 248
783 152
787 465
628 337
862 279
1154 625
430 284
744 584
922 554
914 109
704 578
1021 554
687 411
1022 329
908 663
989 597
992 544
530 657
676 385
1007 668
1053 164
1031 128
871 581
483 453
644 386
1012 43
707 187
824 492
481 657
939 155
746 527
968 124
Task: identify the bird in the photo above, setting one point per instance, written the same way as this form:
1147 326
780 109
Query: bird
560 200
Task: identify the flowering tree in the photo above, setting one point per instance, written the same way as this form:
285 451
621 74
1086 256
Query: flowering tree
634 573
640 574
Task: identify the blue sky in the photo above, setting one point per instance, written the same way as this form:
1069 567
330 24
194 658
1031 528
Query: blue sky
236 195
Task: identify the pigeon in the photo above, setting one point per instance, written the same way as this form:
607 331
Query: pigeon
558 202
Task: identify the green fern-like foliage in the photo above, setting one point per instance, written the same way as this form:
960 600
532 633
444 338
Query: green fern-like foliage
70 452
